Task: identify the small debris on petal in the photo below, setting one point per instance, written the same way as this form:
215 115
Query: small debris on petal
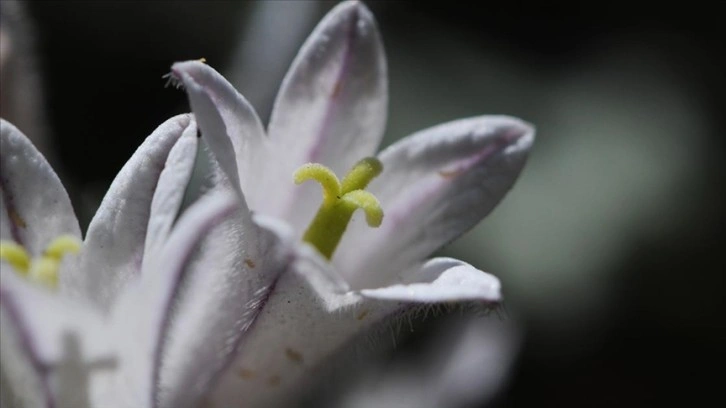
450 174
293 355
246 374
17 219
273 381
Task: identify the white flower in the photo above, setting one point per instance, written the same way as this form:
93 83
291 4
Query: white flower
96 339
434 186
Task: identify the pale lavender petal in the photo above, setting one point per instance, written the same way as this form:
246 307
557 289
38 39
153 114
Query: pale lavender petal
169 194
223 113
114 245
214 131
306 318
34 206
225 288
52 348
435 185
142 315
23 374
331 108
310 317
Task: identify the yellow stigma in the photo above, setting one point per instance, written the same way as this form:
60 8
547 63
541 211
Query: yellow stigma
340 200
43 269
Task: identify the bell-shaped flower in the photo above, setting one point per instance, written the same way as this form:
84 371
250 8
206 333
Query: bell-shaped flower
83 323
348 277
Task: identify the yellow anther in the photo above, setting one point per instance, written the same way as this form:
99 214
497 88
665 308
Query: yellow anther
340 200
43 269
61 246
15 255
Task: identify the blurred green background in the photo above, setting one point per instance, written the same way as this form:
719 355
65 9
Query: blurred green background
609 247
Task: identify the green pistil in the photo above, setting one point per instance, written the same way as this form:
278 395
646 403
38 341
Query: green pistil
340 200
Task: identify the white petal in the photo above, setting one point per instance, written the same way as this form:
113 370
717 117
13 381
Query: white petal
304 320
435 185
114 244
442 280
331 108
142 314
169 194
214 132
223 113
61 350
309 318
225 288
23 382
34 206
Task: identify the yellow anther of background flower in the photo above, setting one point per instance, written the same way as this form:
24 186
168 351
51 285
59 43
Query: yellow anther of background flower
340 200
15 255
42 269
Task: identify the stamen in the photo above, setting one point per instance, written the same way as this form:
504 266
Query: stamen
15 255
43 269
340 200
62 245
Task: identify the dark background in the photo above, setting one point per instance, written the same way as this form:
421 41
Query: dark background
656 335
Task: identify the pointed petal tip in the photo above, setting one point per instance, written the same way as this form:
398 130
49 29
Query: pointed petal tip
349 14
196 74
515 131
186 73
189 67
513 136
350 7
182 121
524 133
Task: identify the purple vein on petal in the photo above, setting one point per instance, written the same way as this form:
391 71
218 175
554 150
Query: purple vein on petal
26 340
398 213
13 215
178 277
257 306
496 146
332 108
